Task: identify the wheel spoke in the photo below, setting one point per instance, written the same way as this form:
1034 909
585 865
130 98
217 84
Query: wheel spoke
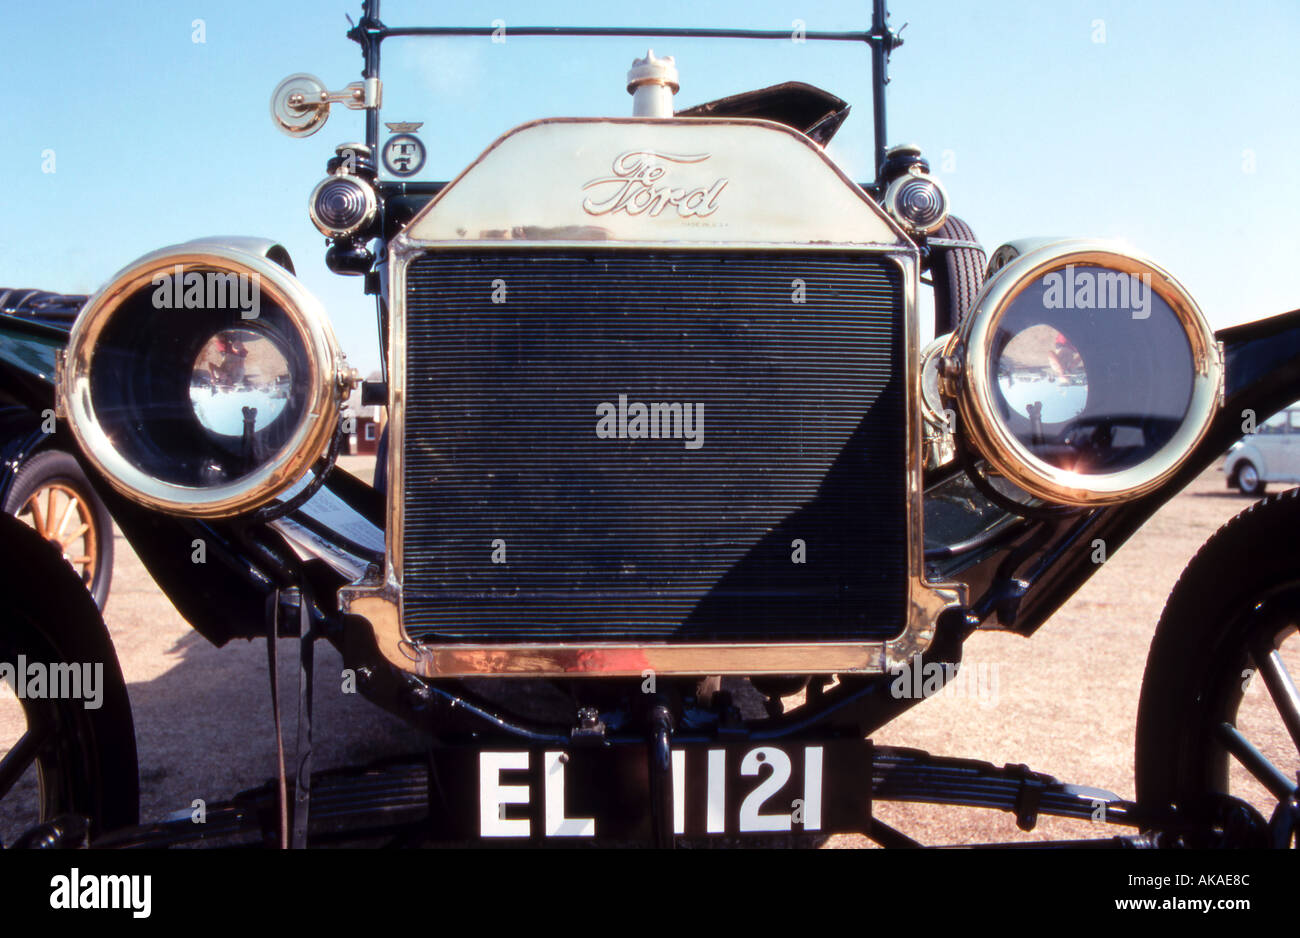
1265 772
19 759
49 510
38 520
75 534
1280 687
63 519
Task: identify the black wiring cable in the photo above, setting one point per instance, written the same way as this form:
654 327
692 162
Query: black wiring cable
280 509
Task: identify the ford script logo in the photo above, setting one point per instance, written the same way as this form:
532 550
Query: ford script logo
639 186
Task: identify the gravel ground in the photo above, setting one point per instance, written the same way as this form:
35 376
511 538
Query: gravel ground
1064 702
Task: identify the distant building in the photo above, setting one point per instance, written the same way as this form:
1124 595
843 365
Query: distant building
366 439
365 423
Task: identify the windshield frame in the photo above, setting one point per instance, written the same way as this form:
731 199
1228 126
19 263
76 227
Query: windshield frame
371 32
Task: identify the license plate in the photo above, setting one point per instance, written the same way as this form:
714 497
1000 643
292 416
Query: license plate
603 793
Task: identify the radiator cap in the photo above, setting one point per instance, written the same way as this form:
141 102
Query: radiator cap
652 82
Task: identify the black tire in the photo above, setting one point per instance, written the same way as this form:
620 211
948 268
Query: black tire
87 761
1255 490
59 468
1240 591
958 274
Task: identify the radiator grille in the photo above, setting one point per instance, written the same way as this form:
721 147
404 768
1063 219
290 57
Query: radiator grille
524 523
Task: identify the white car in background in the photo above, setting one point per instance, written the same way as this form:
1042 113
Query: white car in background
1270 454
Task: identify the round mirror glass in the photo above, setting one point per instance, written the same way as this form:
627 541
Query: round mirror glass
240 383
1043 376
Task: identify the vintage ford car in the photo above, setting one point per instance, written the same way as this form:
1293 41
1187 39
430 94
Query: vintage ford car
674 507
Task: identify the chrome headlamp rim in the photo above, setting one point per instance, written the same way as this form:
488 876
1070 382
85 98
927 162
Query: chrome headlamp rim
371 209
970 347
290 462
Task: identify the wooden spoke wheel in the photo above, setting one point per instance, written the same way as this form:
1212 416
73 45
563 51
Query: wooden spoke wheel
52 495
59 515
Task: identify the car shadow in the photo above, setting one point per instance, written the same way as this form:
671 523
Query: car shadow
205 729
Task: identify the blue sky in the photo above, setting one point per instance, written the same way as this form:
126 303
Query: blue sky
1178 132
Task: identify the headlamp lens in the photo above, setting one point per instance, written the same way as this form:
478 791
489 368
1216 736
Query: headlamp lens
1091 369
921 204
342 205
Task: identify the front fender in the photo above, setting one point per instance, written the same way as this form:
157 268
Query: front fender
21 438
27 353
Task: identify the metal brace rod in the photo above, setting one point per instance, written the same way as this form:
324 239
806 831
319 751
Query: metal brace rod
358 95
650 32
660 767
302 776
